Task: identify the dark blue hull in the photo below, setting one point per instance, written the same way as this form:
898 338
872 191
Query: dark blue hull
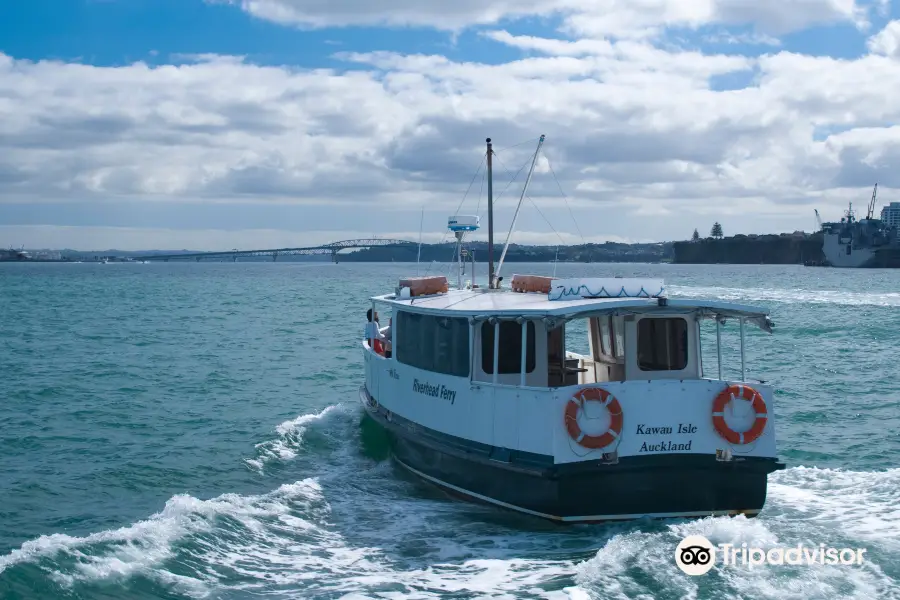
656 486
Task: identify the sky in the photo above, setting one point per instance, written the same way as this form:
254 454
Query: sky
219 124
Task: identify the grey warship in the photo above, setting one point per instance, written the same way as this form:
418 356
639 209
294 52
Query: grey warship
861 243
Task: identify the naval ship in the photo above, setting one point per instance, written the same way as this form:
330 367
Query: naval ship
861 243
11 254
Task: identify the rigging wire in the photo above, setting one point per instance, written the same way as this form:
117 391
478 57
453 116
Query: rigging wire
500 195
419 255
511 181
559 185
483 158
528 141
536 207
481 191
444 237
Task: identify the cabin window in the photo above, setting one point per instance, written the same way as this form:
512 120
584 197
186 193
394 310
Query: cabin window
612 338
437 344
619 336
510 359
662 344
605 340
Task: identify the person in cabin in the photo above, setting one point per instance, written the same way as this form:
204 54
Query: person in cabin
387 332
373 331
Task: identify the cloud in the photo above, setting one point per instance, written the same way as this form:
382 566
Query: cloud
639 139
887 41
443 15
750 39
620 18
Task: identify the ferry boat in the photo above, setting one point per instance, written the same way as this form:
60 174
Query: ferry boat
481 394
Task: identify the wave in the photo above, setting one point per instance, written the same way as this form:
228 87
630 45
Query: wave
362 529
290 438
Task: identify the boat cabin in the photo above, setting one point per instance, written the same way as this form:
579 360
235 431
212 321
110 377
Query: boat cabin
556 333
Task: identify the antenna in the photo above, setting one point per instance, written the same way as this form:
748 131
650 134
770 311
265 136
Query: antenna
521 198
460 225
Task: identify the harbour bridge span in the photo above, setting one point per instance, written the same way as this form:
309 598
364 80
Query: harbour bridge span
334 248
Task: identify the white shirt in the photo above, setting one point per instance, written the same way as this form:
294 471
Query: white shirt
372 331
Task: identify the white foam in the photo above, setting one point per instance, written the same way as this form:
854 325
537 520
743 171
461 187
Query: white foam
139 548
791 296
361 529
855 505
289 440
637 565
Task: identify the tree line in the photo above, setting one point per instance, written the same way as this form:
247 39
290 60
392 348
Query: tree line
715 233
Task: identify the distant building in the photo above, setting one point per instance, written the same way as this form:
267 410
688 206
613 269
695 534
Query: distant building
890 214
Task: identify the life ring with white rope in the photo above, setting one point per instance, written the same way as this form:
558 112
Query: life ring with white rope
616 417
733 392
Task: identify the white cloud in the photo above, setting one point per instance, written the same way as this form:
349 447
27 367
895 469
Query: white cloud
623 18
750 39
643 144
443 15
886 41
635 18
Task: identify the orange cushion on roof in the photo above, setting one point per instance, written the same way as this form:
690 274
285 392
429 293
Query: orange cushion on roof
531 283
425 286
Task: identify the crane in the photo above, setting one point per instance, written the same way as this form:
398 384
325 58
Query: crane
871 212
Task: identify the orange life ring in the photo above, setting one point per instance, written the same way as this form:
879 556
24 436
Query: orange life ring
718 414
615 413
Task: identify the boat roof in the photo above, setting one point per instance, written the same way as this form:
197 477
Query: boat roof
484 304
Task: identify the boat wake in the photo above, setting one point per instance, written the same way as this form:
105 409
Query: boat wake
790 296
356 527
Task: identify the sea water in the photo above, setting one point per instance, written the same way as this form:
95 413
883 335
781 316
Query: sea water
193 431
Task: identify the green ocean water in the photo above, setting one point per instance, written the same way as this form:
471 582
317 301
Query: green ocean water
193 431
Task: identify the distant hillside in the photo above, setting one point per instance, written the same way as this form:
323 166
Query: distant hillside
90 255
608 252
786 248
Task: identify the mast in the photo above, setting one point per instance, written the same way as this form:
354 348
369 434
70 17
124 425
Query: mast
521 198
490 193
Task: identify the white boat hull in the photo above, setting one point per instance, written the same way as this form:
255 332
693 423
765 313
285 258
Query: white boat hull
652 486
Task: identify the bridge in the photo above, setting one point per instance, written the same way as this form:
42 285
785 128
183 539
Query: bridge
333 249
